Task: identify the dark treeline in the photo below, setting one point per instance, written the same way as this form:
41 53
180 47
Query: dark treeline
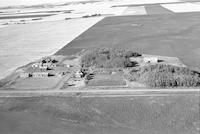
165 76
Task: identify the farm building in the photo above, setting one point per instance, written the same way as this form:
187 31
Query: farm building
68 66
43 65
78 74
46 60
150 59
48 65
36 65
40 74
24 75
136 59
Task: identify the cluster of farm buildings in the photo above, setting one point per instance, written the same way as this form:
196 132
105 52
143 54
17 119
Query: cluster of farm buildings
39 69
47 67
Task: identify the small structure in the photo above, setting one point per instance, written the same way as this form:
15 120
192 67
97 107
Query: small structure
35 65
78 74
113 73
52 65
44 66
24 75
68 66
136 59
150 59
46 60
40 74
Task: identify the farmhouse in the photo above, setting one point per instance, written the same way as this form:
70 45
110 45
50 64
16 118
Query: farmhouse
150 60
40 74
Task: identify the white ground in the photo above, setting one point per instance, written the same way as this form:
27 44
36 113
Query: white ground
138 10
21 44
182 7
138 2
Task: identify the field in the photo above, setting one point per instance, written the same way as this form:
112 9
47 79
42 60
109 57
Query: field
159 31
175 35
27 39
36 83
21 44
107 80
130 115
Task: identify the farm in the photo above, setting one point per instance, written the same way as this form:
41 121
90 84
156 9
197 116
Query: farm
137 69
33 41
103 68
71 68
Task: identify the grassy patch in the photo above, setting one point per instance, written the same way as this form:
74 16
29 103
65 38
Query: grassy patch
107 80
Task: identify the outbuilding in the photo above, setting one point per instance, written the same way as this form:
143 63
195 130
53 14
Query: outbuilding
35 65
78 74
40 74
24 75
136 59
150 59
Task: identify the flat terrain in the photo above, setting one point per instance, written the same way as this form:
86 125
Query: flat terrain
21 44
36 83
130 115
98 111
23 40
24 16
107 80
175 35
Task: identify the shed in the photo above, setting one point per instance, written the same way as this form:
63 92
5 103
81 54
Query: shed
136 59
40 74
151 59
78 74
24 75
35 65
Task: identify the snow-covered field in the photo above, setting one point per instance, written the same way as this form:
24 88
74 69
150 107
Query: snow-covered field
182 7
138 10
21 44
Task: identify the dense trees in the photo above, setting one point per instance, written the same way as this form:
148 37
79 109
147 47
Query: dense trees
108 58
165 76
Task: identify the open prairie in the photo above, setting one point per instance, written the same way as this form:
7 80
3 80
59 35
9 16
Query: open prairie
128 115
175 35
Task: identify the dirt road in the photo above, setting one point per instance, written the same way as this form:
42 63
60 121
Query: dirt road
101 92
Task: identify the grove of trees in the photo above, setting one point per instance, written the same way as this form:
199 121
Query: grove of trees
165 76
108 58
